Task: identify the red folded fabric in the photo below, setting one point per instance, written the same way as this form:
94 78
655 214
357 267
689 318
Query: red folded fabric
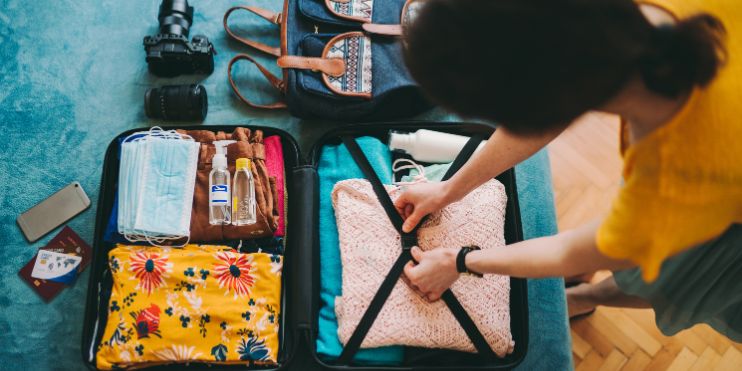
274 164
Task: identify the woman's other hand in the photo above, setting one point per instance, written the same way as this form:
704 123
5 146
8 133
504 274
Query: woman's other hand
434 272
419 200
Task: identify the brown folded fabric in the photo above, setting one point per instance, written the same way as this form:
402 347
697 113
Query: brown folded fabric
249 145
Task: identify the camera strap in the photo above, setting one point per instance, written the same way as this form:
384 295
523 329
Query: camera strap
408 240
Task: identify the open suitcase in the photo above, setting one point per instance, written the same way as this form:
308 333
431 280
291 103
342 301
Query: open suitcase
300 278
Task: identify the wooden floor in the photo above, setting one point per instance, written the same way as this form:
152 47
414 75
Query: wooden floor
586 170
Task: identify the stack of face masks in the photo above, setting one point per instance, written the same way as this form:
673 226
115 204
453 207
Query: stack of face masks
157 176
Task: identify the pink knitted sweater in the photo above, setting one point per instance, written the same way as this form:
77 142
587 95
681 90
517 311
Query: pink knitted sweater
369 245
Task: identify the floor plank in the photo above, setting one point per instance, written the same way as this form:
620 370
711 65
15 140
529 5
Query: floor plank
576 360
613 362
683 361
633 331
712 338
730 361
591 362
692 341
600 343
605 326
707 360
663 359
645 319
637 362
579 346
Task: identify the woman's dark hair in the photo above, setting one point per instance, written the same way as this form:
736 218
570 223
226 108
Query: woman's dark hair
534 65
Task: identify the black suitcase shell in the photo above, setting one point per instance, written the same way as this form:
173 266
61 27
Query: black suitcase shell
300 278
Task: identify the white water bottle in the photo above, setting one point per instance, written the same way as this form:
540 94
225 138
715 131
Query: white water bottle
243 194
429 146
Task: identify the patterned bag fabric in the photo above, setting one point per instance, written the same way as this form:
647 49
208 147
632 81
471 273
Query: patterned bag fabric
341 59
199 303
354 49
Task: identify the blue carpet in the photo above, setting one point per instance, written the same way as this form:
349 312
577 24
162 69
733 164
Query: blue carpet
73 76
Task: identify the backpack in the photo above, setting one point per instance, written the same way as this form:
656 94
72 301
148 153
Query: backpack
341 59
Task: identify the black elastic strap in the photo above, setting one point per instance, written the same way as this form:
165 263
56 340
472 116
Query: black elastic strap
378 187
469 148
448 297
369 316
408 241
470 328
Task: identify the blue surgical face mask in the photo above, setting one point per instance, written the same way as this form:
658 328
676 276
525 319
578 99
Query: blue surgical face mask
156 181
129 173
127 179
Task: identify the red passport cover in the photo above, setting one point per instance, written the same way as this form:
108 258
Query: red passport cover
66 242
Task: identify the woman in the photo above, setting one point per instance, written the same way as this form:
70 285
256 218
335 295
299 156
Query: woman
672 69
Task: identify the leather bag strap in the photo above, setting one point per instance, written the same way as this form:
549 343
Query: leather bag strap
333 67
268 15
383 29
274 81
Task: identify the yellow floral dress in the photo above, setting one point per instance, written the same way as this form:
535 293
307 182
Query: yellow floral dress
199 303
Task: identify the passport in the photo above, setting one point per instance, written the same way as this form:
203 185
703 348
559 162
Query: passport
66 242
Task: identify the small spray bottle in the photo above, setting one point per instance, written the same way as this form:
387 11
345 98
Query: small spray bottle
243 202
219 181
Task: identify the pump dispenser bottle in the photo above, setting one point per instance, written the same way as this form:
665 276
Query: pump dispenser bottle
243 191
219 182
428 145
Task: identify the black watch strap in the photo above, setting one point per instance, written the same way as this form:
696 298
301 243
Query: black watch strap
461 260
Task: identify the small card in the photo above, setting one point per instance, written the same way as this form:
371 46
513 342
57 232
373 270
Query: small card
66 242
69 242
55 267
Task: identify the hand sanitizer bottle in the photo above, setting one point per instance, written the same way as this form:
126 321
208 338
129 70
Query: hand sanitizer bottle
219 181
243 192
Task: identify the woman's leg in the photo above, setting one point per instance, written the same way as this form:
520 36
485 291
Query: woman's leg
584 298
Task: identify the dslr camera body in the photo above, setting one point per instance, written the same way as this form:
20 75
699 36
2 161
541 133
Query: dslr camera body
169 53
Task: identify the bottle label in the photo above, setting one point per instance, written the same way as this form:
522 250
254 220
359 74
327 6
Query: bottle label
220 194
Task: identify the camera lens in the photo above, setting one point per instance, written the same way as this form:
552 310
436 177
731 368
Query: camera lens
177 103
175 17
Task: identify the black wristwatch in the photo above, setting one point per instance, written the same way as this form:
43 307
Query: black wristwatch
461 260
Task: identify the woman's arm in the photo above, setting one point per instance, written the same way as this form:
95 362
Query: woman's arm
502 151
568 253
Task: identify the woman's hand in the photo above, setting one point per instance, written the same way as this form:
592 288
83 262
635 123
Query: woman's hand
434 272
421 199
502 151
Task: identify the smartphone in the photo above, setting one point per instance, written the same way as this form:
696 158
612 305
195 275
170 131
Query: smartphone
52 212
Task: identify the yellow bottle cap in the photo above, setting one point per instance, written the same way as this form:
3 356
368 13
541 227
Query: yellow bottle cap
242 163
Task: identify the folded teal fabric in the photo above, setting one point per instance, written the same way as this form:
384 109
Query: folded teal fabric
336 164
